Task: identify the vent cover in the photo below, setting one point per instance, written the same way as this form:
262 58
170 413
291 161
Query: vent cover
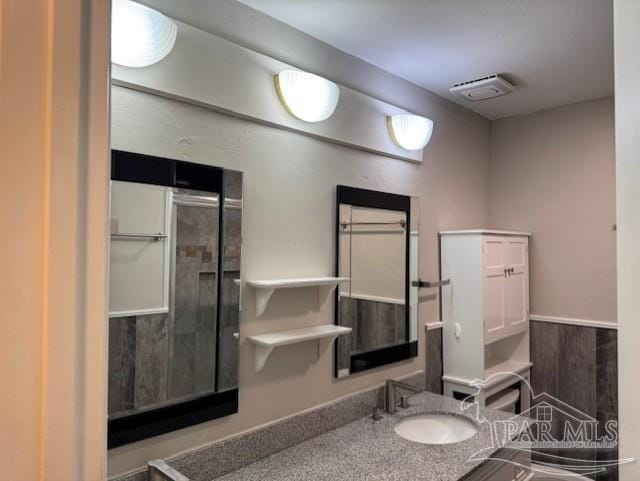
482 89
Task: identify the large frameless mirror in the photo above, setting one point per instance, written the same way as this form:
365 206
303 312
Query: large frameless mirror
174 295
377 249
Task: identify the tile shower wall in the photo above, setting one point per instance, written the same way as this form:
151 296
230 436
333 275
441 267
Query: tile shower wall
374 325
578 366
138 362
434 360
230 297
152 358
192 362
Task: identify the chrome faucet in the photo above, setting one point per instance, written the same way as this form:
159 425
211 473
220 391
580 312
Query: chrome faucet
390 395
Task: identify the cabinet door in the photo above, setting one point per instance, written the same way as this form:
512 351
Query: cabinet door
493 288
516 296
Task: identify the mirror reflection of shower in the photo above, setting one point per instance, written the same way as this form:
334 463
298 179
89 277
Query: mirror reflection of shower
174 294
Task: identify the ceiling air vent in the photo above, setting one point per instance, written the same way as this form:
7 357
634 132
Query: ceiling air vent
482 89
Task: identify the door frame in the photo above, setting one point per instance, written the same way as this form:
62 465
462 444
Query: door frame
76 196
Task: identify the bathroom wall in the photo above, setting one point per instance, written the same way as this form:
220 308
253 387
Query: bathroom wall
627 79
289 222
434 360
288 231
553 173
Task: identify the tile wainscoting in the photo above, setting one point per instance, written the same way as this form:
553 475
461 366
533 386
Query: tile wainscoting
578 365
374 324
434 359
575 364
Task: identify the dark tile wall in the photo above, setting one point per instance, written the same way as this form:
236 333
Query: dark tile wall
374 325
122 364
154 359
192 364
229 304
434 360
138 357
578 366
230 326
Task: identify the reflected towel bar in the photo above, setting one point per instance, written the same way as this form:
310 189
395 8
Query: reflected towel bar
428 284
397 222
155 237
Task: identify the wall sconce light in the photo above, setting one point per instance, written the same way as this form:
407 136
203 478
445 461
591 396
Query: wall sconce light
307 96
411 132
140 36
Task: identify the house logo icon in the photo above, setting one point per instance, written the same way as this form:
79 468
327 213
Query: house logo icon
558 435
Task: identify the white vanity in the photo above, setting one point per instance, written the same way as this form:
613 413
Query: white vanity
485 311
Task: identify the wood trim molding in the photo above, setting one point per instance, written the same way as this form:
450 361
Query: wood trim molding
575 322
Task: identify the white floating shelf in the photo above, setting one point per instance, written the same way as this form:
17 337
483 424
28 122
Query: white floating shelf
265 343
266 288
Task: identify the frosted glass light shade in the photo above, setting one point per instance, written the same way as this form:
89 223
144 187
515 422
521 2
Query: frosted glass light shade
140 36
411 132
307 96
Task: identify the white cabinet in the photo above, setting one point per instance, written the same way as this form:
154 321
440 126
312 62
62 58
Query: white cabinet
485 308
505 286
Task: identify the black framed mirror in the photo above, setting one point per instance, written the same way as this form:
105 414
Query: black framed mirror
174 296
377 249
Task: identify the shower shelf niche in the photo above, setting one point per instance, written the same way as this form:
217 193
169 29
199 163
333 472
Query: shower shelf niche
265 288
324 334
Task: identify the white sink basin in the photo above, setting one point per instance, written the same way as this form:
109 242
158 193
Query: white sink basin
436 429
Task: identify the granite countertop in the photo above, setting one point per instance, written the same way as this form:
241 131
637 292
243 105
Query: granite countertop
371 450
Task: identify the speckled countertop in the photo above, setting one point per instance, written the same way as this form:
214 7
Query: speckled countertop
371 450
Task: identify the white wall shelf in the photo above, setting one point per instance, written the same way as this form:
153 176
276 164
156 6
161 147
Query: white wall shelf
265 343
266 288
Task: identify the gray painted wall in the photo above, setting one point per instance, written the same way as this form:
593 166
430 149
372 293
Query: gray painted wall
553 173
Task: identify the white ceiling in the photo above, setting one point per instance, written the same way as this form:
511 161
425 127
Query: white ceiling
557 52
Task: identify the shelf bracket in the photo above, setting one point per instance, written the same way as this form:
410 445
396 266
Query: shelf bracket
262 299
324 344
324 293
262 352
261 356
323 336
